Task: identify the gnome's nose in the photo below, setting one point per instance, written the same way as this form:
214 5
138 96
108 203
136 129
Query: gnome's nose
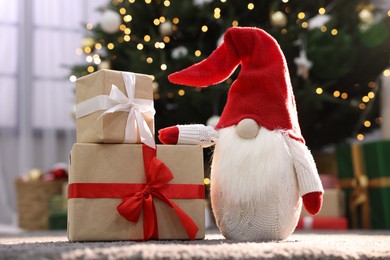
247 128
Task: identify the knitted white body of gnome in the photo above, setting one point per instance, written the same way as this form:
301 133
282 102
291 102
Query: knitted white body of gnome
261 167
255 190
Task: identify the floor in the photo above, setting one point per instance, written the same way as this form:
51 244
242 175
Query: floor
300 245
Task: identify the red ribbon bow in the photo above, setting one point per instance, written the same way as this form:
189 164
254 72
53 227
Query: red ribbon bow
157 176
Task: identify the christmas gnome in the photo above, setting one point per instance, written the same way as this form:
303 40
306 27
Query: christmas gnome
261 167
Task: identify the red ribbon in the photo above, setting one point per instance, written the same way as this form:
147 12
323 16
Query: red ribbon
92 190
140 198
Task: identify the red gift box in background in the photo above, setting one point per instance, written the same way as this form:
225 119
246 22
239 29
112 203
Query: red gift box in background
313 223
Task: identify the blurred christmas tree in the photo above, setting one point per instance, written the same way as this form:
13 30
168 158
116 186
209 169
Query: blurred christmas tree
335 50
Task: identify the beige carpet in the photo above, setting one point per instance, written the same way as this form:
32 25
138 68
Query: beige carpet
301 245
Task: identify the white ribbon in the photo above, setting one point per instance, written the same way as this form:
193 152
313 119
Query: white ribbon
117 101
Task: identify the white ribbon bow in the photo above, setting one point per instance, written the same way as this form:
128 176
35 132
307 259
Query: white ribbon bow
117 101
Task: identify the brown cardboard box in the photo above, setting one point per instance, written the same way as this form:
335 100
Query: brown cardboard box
97 219
109 128
333 204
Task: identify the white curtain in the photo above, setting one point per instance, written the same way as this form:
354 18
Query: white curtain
38 41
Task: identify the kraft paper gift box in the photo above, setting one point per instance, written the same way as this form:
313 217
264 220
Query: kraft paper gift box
114 107
114 173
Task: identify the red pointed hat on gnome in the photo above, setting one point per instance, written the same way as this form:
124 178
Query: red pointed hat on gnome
262 91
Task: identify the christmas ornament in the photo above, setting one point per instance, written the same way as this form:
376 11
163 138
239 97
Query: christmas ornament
110 21
303 64
165 29
278 19
59 171
33 175
318 21
261 167
179 52
366 16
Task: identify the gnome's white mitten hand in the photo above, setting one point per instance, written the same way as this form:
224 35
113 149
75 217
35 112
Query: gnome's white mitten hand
197 134
189 134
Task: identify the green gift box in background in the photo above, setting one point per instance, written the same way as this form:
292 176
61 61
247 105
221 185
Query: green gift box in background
364 173
344 162
345 174
377 161
58 212
58 220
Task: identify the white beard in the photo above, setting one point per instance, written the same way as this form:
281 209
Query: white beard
254 190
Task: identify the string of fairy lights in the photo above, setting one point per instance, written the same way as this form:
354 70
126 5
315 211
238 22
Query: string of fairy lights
121 22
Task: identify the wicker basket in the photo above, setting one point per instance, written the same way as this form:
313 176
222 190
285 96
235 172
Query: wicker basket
33 202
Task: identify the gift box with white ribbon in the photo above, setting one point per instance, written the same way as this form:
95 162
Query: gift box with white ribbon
115 107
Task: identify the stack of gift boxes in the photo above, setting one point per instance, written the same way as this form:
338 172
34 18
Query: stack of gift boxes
121 185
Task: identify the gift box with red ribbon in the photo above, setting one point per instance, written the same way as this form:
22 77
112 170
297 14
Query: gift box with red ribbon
134 192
